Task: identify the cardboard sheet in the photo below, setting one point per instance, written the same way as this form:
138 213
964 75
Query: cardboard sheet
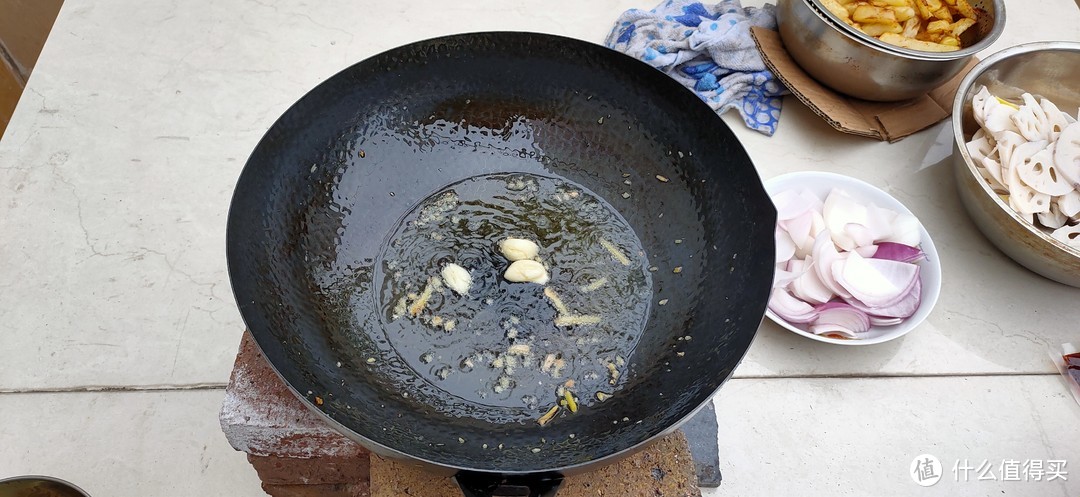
887 121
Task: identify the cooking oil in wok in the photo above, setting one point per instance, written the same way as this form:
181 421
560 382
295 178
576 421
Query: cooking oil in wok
513 345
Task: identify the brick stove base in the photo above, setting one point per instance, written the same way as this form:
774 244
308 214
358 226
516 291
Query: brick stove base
665 468
297 455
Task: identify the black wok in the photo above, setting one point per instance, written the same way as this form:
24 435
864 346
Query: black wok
333 177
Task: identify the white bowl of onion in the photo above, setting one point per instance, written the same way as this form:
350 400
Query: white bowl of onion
854 266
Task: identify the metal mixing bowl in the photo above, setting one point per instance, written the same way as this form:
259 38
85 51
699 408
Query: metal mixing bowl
1045 69
851 62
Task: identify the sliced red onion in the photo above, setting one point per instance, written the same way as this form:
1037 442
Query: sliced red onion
809 287
905 230
875 282
840 210
817 223
898 252
832 329
785 248
832 304
844 267
880 221
798 228
825 255
812 198
883 321
797 266
867 251
790 308
902 309
842 314
782 277
860 234
790 204
877 226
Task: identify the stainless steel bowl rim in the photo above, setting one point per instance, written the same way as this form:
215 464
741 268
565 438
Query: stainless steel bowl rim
995 31
958 129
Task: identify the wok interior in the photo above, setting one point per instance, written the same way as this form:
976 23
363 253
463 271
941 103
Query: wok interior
333 176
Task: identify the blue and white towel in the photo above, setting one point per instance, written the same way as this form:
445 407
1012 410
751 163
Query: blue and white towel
708 49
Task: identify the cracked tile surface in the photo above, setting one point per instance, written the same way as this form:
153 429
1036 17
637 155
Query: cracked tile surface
858 437
124 444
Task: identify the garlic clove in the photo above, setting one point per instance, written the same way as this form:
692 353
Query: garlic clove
526 271
457 278
517 249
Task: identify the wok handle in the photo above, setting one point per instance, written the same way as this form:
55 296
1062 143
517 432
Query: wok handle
477 484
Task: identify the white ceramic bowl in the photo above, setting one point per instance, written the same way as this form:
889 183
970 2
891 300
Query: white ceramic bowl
821 183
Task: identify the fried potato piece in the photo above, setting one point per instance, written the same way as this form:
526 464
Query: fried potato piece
930 25
837 9
960 26
911 27
868 14
904 13
938 26
965 9
923 9
889 3
878 29
926 46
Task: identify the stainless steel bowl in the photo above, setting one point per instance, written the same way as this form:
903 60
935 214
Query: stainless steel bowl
39 486
1046 69
851 62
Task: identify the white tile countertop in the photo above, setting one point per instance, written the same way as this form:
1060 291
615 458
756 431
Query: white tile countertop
118 328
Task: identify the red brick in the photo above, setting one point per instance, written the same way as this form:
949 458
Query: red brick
324 470
663 469
338 490
262 417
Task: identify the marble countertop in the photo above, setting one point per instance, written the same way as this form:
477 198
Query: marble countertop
118 328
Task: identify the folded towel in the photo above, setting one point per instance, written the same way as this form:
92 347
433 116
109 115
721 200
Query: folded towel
708 49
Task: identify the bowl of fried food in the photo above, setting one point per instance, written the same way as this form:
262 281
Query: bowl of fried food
1017 154
887 50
